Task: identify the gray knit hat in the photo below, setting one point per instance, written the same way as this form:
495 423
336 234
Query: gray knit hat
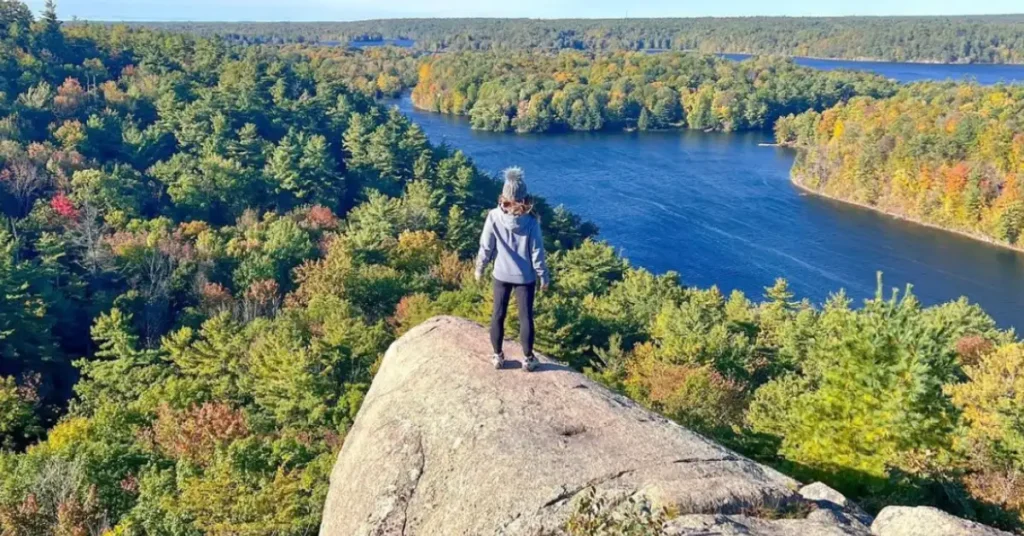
515 188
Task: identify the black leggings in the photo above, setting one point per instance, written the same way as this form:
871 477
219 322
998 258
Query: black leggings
524 299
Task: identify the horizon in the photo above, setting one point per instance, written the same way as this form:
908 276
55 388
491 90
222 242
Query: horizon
717 17
323 11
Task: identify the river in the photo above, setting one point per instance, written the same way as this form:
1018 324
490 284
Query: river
914 72
721 210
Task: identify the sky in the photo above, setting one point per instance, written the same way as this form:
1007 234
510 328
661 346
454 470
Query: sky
333 10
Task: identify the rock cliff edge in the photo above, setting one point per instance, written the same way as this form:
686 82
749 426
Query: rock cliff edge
446 445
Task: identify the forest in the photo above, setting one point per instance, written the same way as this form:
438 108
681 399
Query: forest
374 71
539 92
950 155
207 247
963 39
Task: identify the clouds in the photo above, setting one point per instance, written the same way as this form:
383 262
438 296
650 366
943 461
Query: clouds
276 10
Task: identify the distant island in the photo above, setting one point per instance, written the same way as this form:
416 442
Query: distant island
546 92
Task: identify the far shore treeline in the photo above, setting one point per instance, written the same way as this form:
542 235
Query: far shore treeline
207 246
540 92
947 39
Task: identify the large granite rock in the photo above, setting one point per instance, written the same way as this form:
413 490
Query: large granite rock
926 521
446 445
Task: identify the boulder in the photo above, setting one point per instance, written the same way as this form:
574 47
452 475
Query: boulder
446 445
834 508
824 495
926 521
723 525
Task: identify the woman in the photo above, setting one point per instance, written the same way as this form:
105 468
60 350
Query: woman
512 238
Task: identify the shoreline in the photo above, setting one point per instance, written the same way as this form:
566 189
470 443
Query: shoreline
854 59
965 234
896 62
677 127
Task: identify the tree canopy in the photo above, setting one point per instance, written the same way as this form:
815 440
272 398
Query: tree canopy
536 92
950 155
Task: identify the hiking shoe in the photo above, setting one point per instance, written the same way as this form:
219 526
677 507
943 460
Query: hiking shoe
498 360
530 363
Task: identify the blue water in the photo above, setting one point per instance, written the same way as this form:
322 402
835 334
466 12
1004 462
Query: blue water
404 43
721 210
915 72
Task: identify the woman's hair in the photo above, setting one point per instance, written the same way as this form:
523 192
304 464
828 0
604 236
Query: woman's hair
516 208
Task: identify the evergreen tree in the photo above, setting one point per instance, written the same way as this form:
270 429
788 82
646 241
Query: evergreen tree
15 17
283 168
49 32
25 326
49 18
320 181
122 369
249 149
644 122
779 293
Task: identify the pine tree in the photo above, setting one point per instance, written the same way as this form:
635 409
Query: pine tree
49 18
122 370
644 122
320 181
283 165
50 35
356 141
249 148
779 293
25 328
1010 224
421 206
460 232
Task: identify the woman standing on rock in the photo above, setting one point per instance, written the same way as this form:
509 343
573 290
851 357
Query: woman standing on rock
512 238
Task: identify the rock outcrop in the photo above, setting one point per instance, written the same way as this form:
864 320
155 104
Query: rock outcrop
926 521
446 445
833 508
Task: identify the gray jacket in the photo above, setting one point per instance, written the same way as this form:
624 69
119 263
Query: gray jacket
516 245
